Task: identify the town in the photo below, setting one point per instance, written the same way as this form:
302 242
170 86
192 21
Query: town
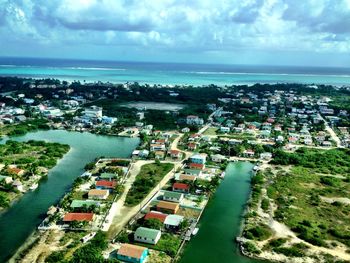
148 206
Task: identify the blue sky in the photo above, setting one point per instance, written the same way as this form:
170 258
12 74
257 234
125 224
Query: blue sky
273 32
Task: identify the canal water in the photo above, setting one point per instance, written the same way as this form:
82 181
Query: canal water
221 220
21 219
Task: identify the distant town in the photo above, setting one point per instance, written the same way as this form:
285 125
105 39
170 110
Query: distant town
148 207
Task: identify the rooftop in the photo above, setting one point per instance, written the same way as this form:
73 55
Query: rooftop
133 251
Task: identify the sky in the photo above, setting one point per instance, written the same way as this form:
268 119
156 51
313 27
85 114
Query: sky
268 32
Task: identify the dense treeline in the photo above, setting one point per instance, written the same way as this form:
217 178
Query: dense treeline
331 161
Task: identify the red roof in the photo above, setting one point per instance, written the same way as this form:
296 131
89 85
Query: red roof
106 184
175 152
181 186
154 215
196 166
69 217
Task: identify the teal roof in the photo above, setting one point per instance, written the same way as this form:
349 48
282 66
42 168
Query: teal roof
107 175
147 232
172 194
193 171
81 203
2 177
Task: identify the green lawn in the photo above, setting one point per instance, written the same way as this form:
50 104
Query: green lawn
149 176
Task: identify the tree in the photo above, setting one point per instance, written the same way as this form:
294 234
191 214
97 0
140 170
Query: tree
153 223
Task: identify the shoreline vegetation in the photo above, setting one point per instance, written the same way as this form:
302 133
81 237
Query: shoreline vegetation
299 208
23 165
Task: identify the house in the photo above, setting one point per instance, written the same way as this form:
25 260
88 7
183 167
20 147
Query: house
168 207
107 176
266 155
327 143
16 171
70 217
18 185
194 120
143 153
147 235
155 215
185 177
175 154
196 166
248 153
195 172
198 158
83 203
6 179
218 158
93 112
224 129
98 194
173 196
157 147
105 184
173 221
159 154
181 187
192 146
132 253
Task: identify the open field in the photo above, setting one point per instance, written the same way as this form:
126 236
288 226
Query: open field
301 211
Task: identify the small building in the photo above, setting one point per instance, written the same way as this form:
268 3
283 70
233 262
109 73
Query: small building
173 196
18 185
186 177
168 207
218 158
80 217
224 129
192 146
196 166
147 235
248 153
16 171
175 154
98 194
198 158
106 185
155 215
173 221
181 187
6 179
266 155
83 203
107 176
195 172
159 155
132 253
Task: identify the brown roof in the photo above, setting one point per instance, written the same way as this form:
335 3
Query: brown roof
186 177
156 215
167 205
131 250
97 192
69 217
15 170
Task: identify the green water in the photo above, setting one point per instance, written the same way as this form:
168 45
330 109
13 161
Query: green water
220 222
19 221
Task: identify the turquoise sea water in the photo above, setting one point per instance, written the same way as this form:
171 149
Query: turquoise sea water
170 73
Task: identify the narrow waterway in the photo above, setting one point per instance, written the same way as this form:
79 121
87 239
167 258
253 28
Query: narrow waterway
21 219
221 220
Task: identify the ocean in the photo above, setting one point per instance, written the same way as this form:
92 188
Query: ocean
169 73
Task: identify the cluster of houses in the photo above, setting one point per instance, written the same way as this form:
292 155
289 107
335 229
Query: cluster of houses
100 189
13 172
10 115
165 208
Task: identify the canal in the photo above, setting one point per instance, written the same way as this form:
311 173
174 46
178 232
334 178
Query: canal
221 220
20 220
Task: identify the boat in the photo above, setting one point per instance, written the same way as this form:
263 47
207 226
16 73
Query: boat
222 175
256 167
195 231
34 186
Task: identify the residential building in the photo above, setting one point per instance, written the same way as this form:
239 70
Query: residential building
181 187
70 217
173 196
147 235
168 207
132 253
98 194
173 221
